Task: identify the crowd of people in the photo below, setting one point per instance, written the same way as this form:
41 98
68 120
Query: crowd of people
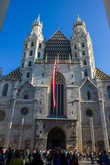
51 157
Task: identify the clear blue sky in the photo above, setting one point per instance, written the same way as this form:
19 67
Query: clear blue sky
54 13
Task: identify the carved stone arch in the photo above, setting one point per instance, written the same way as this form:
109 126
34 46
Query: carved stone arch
60 78
56 138
89 91
27 89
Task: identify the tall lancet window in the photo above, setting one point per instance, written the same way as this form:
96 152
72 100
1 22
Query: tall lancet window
5 90
108 90
60 109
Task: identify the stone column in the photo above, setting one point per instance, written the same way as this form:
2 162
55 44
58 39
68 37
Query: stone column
33 125
104 125
103 119
92 134
79 127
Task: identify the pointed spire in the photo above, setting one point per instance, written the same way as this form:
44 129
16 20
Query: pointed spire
78 19
78 22
37 21
38 18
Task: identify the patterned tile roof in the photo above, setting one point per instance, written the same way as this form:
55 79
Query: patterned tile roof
57 45
101 75
14 75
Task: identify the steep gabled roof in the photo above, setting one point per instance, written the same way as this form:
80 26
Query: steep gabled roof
14 75
58 35
101 75
57 44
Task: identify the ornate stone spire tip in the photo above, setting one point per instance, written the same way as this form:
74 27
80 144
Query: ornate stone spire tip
78 18
38 18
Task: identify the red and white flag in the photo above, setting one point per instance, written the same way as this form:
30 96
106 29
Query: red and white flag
54 84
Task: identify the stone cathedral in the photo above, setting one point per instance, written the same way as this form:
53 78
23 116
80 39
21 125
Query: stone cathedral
81 119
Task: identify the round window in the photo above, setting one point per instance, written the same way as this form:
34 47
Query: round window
24 111
2 115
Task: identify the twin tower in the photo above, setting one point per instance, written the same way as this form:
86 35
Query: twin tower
77 50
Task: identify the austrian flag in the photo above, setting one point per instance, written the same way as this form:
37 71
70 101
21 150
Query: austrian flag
54 85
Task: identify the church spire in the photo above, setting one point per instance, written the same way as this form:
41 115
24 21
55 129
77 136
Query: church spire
78 19
79 24
38 18
37 21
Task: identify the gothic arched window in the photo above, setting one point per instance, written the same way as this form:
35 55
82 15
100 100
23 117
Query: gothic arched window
38 54
75 47
88 95
84 62
83 45
86 73
60 109
26 96
25 45
28 74
89 113
5 90
24 111
30 63
31 53
108 91
40 45
32 43
83 53
24 54
76 55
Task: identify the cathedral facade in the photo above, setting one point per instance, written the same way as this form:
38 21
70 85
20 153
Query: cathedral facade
81 118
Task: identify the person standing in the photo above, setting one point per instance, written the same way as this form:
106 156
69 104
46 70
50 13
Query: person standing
2 156
17 159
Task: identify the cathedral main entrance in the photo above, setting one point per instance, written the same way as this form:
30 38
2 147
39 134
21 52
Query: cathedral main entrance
56 138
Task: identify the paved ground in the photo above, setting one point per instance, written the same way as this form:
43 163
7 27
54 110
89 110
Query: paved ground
86 163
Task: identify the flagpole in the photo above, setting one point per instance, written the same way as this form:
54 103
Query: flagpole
22 133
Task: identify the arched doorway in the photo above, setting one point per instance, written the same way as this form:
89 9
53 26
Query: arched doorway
56 138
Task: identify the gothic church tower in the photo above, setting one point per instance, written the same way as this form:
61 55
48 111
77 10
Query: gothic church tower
81 47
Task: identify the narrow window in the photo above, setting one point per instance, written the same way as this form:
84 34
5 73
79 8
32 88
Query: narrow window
28 75
24 54
88 95
108 90
40 46
31 53
83 53
75 47
42 74
38 54
86 73
30 63
5 90
26 96
84 62
32 44
24 111
75 54
83 45
25 45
